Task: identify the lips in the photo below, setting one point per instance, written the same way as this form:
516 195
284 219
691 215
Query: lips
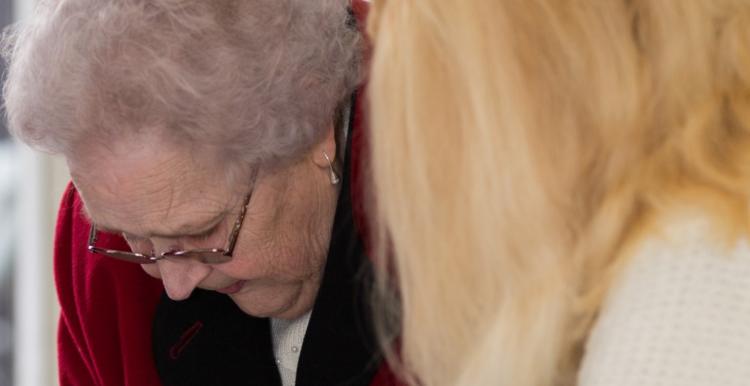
232 289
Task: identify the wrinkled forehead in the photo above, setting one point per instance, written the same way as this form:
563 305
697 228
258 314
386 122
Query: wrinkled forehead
143 185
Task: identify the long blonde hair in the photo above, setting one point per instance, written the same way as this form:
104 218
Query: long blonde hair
518 147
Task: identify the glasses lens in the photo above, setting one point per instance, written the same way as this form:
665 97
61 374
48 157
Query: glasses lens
127 256
202 256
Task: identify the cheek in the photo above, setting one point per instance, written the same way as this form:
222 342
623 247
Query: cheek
285 263
152 270
285 235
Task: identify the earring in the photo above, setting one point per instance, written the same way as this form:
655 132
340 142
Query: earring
332 173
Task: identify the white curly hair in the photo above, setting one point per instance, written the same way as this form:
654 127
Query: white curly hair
260 79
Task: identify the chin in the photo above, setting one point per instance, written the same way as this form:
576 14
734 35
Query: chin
287 302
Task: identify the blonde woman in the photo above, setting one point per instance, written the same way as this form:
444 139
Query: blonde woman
564 186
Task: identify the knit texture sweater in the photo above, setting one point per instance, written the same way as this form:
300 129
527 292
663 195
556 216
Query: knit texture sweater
679 314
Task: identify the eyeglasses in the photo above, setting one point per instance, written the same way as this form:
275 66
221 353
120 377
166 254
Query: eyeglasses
206 256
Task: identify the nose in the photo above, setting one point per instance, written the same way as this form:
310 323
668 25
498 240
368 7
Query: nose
181 277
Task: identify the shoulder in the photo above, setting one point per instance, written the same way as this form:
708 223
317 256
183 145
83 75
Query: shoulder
679 313
106 307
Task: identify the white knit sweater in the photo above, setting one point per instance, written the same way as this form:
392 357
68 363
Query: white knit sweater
678 316
287 337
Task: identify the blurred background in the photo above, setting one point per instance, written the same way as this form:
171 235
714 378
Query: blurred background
30 187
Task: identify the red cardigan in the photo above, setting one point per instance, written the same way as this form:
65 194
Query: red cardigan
108 306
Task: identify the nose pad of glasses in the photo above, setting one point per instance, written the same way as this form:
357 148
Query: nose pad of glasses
180 278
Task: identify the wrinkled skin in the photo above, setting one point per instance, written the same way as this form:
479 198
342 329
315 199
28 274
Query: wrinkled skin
162 197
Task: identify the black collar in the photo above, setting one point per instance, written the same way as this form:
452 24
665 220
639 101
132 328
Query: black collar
207 340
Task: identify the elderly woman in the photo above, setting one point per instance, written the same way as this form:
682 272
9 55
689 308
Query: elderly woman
208 143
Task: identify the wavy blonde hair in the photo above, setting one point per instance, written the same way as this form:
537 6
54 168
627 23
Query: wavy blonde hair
519 147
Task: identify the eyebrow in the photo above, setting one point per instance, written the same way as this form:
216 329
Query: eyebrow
184 230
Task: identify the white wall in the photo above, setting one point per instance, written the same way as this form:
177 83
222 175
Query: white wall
41 182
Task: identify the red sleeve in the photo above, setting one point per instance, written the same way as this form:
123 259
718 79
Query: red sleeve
107 306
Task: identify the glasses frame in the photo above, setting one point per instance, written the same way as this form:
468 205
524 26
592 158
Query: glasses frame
205 256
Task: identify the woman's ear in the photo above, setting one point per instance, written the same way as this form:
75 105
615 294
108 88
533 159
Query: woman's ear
324 153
